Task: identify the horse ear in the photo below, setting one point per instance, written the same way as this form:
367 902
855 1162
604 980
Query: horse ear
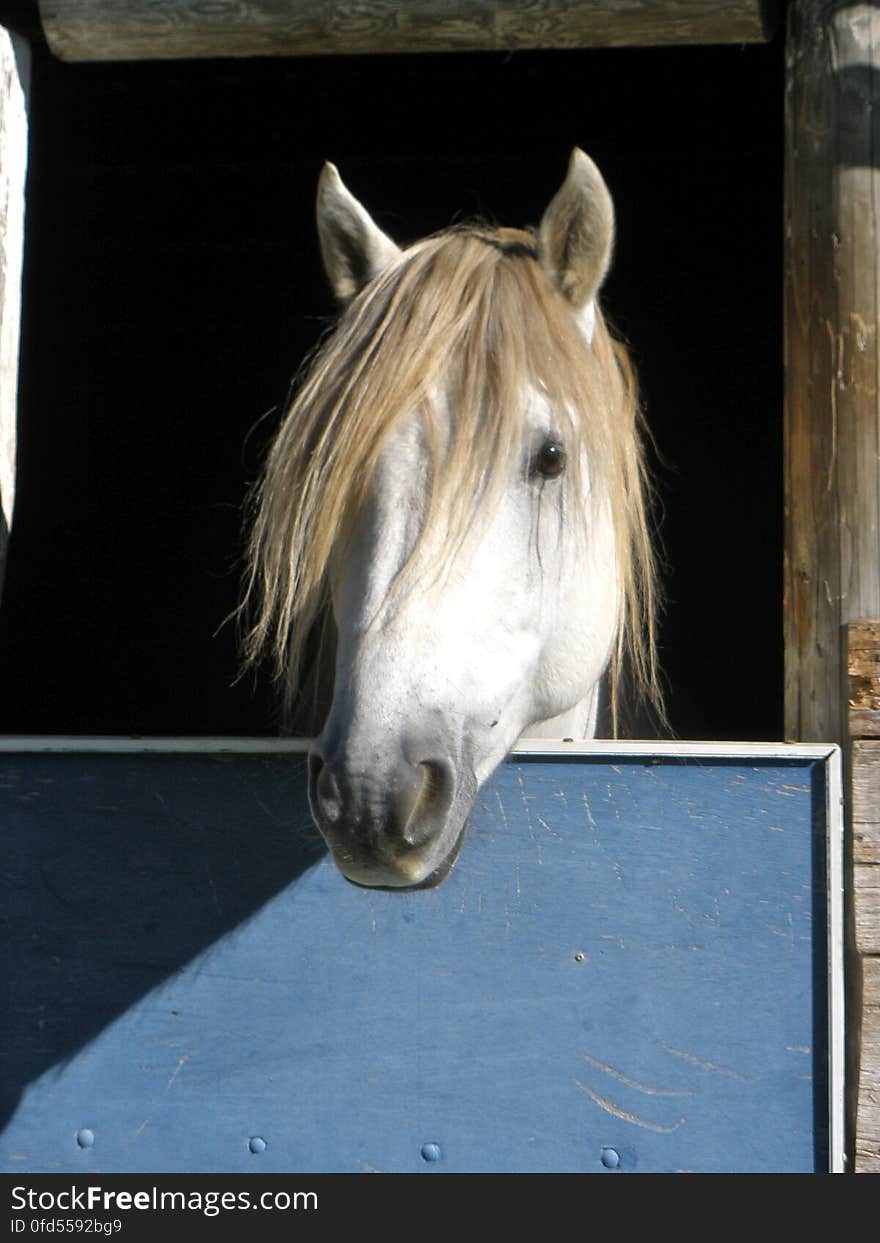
353 247
576 236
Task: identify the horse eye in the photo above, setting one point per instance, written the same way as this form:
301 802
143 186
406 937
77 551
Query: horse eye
549 461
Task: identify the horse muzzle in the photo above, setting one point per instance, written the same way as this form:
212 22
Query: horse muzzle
392 826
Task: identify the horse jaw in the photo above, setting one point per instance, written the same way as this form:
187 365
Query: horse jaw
576 722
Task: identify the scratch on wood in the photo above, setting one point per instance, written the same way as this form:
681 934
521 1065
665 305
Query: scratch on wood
214 893
864 331
612 1109
786 934
501 809
543 823
696 1061
140 1130
47 881
836 341
586 804
528 798
269 815
632 1083
177 1069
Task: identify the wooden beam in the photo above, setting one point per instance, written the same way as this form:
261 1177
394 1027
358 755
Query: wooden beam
867 1144
79 30
863 666
865 807
863 670
13 162
864 816
832 419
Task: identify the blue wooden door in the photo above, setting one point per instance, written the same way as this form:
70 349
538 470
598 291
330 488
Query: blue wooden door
627 970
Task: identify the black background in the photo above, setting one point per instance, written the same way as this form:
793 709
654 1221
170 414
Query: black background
172 287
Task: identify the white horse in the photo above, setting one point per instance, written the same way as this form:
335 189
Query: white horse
460 479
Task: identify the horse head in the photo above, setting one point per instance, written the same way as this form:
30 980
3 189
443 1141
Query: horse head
459 479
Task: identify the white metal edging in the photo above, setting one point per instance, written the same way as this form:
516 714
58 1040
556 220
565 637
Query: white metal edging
530 746
834 839
113 745
543 747
683 750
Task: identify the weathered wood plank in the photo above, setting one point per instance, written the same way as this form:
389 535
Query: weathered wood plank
866 903
871 987
863 672
863 684
832 266
864 664
866 842
864 722
13 163
867 1153
863 635
168 29
865 800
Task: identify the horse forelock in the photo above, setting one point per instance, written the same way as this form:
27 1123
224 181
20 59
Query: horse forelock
468 313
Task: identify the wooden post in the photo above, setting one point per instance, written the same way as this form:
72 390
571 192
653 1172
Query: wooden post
863 665
164 29
832 467
13 162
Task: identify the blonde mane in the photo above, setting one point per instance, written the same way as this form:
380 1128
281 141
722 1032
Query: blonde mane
468 313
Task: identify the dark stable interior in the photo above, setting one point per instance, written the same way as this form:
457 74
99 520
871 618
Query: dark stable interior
173 287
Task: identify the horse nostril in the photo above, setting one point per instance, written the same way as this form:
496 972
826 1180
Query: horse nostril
436 786
398 809
315 766
405 800
423 797
324 789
